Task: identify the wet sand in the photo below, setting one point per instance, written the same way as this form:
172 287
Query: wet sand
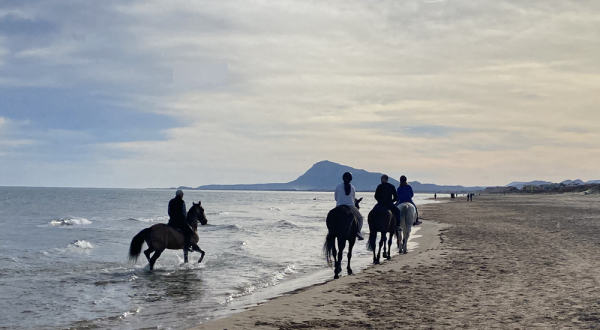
499 262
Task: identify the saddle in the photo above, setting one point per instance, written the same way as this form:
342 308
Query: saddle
346 211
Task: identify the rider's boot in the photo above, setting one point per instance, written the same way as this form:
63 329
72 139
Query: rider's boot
360 236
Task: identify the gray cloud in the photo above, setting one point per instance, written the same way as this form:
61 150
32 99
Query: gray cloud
487 86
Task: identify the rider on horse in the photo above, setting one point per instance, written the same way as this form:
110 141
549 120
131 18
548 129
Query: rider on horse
386 196
345 195
177 215
405 194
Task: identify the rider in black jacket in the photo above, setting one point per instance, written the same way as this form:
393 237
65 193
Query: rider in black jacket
177 215
385 194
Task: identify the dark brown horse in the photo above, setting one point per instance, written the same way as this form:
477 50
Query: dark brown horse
343 225
160 237
381 220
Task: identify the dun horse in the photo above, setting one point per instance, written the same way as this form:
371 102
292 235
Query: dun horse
381 220
161 236
408 214
342 225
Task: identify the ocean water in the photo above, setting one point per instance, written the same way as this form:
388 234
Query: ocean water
63 256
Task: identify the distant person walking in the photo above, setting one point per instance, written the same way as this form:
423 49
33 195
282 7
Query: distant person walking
435 196
405 195
345 194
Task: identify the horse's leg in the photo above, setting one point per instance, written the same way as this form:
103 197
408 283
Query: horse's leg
374 254
148 252
389 255
385 253
335 256
405 242
403 231
338 264
154 257
381 242
185 256
351 241
201 255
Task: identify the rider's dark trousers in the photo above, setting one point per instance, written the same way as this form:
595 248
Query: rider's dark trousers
186 230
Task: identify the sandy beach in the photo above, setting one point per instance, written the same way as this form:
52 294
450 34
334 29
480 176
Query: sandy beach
499 262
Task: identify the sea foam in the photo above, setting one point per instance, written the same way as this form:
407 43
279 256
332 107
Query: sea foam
70 221
82 244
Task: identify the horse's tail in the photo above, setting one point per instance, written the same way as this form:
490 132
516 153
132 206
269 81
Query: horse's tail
372 231
135 248
328 248
371 241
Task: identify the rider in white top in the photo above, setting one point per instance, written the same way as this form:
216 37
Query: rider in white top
348 199
341 198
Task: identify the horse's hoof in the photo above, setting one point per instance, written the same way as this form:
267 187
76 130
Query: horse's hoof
389 258
350 271
336 276
405 252
376 262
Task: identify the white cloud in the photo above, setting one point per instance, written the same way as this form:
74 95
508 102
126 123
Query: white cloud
498 86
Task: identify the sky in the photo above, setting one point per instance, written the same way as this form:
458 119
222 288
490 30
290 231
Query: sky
167 93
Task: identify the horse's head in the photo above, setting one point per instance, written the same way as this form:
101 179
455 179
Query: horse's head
201 215
356 202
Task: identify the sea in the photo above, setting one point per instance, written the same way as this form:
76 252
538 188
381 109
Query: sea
63 256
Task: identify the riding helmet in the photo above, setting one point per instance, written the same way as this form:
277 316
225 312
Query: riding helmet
347 177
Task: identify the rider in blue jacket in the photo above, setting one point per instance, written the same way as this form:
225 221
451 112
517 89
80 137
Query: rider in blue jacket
405 194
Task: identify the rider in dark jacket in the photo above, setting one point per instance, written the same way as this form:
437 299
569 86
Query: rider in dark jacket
177 215
405 194
385 194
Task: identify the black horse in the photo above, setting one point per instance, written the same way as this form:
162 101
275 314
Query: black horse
342 225
161 236
381 220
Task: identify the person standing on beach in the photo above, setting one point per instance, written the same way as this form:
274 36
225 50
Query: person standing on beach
405 195
386 196
177 214
345 194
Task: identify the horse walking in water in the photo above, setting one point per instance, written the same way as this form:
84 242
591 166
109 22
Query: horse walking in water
408 214
343 225
381 220
161 236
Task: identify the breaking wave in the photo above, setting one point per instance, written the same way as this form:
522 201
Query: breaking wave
271 280
286 224
70 221
82 244
151 219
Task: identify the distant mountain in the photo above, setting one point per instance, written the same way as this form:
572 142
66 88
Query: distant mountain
326 175
519 185
572 182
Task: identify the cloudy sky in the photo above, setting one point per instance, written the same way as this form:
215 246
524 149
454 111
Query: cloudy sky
166 93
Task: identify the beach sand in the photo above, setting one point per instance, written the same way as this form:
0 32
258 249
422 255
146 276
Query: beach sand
499 262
